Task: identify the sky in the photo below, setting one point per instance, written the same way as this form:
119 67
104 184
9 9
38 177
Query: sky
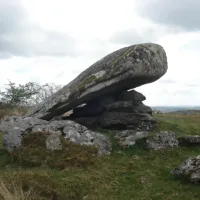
48 41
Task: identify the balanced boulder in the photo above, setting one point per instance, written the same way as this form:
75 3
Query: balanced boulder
119 71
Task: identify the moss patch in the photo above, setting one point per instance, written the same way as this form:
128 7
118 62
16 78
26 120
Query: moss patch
87 81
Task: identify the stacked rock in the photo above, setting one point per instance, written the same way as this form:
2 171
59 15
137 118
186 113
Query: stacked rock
117 111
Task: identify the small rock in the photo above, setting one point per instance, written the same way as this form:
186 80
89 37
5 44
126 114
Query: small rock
14 127
162 140
189 140
127 142
53 142
189 169
12 139
81 135
131 139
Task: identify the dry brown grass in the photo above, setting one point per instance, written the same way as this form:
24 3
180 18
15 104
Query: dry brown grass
6 110
14 191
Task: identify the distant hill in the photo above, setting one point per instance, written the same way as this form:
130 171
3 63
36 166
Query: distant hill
187 112
167 109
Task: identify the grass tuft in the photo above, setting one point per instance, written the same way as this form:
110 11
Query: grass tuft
14 191
9 110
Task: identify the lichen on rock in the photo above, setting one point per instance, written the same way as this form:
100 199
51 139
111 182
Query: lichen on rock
189 169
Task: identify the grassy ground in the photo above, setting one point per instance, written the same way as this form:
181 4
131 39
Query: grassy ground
127 174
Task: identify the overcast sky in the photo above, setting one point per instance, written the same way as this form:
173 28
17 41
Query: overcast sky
54 40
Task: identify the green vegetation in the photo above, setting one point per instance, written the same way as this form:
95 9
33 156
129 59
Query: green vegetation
34 153
126 174
25 95
181 124
18 99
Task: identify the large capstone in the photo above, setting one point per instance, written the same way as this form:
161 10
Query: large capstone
119 71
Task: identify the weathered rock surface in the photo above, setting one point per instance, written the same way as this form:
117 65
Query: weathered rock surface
190 140
126 133
122 120
18 122
119 71
162 140
131 95
53 142
119 111
12 139
128 106
189 169
14 128
121 106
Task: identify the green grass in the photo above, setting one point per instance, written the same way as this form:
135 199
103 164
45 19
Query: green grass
132 173
182 124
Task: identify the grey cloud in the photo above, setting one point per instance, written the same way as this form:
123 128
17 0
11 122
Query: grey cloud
130 36
142 35
21 70
180 13
20 37
192 85
192 45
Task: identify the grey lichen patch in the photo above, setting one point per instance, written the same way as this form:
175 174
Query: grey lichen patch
100 74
